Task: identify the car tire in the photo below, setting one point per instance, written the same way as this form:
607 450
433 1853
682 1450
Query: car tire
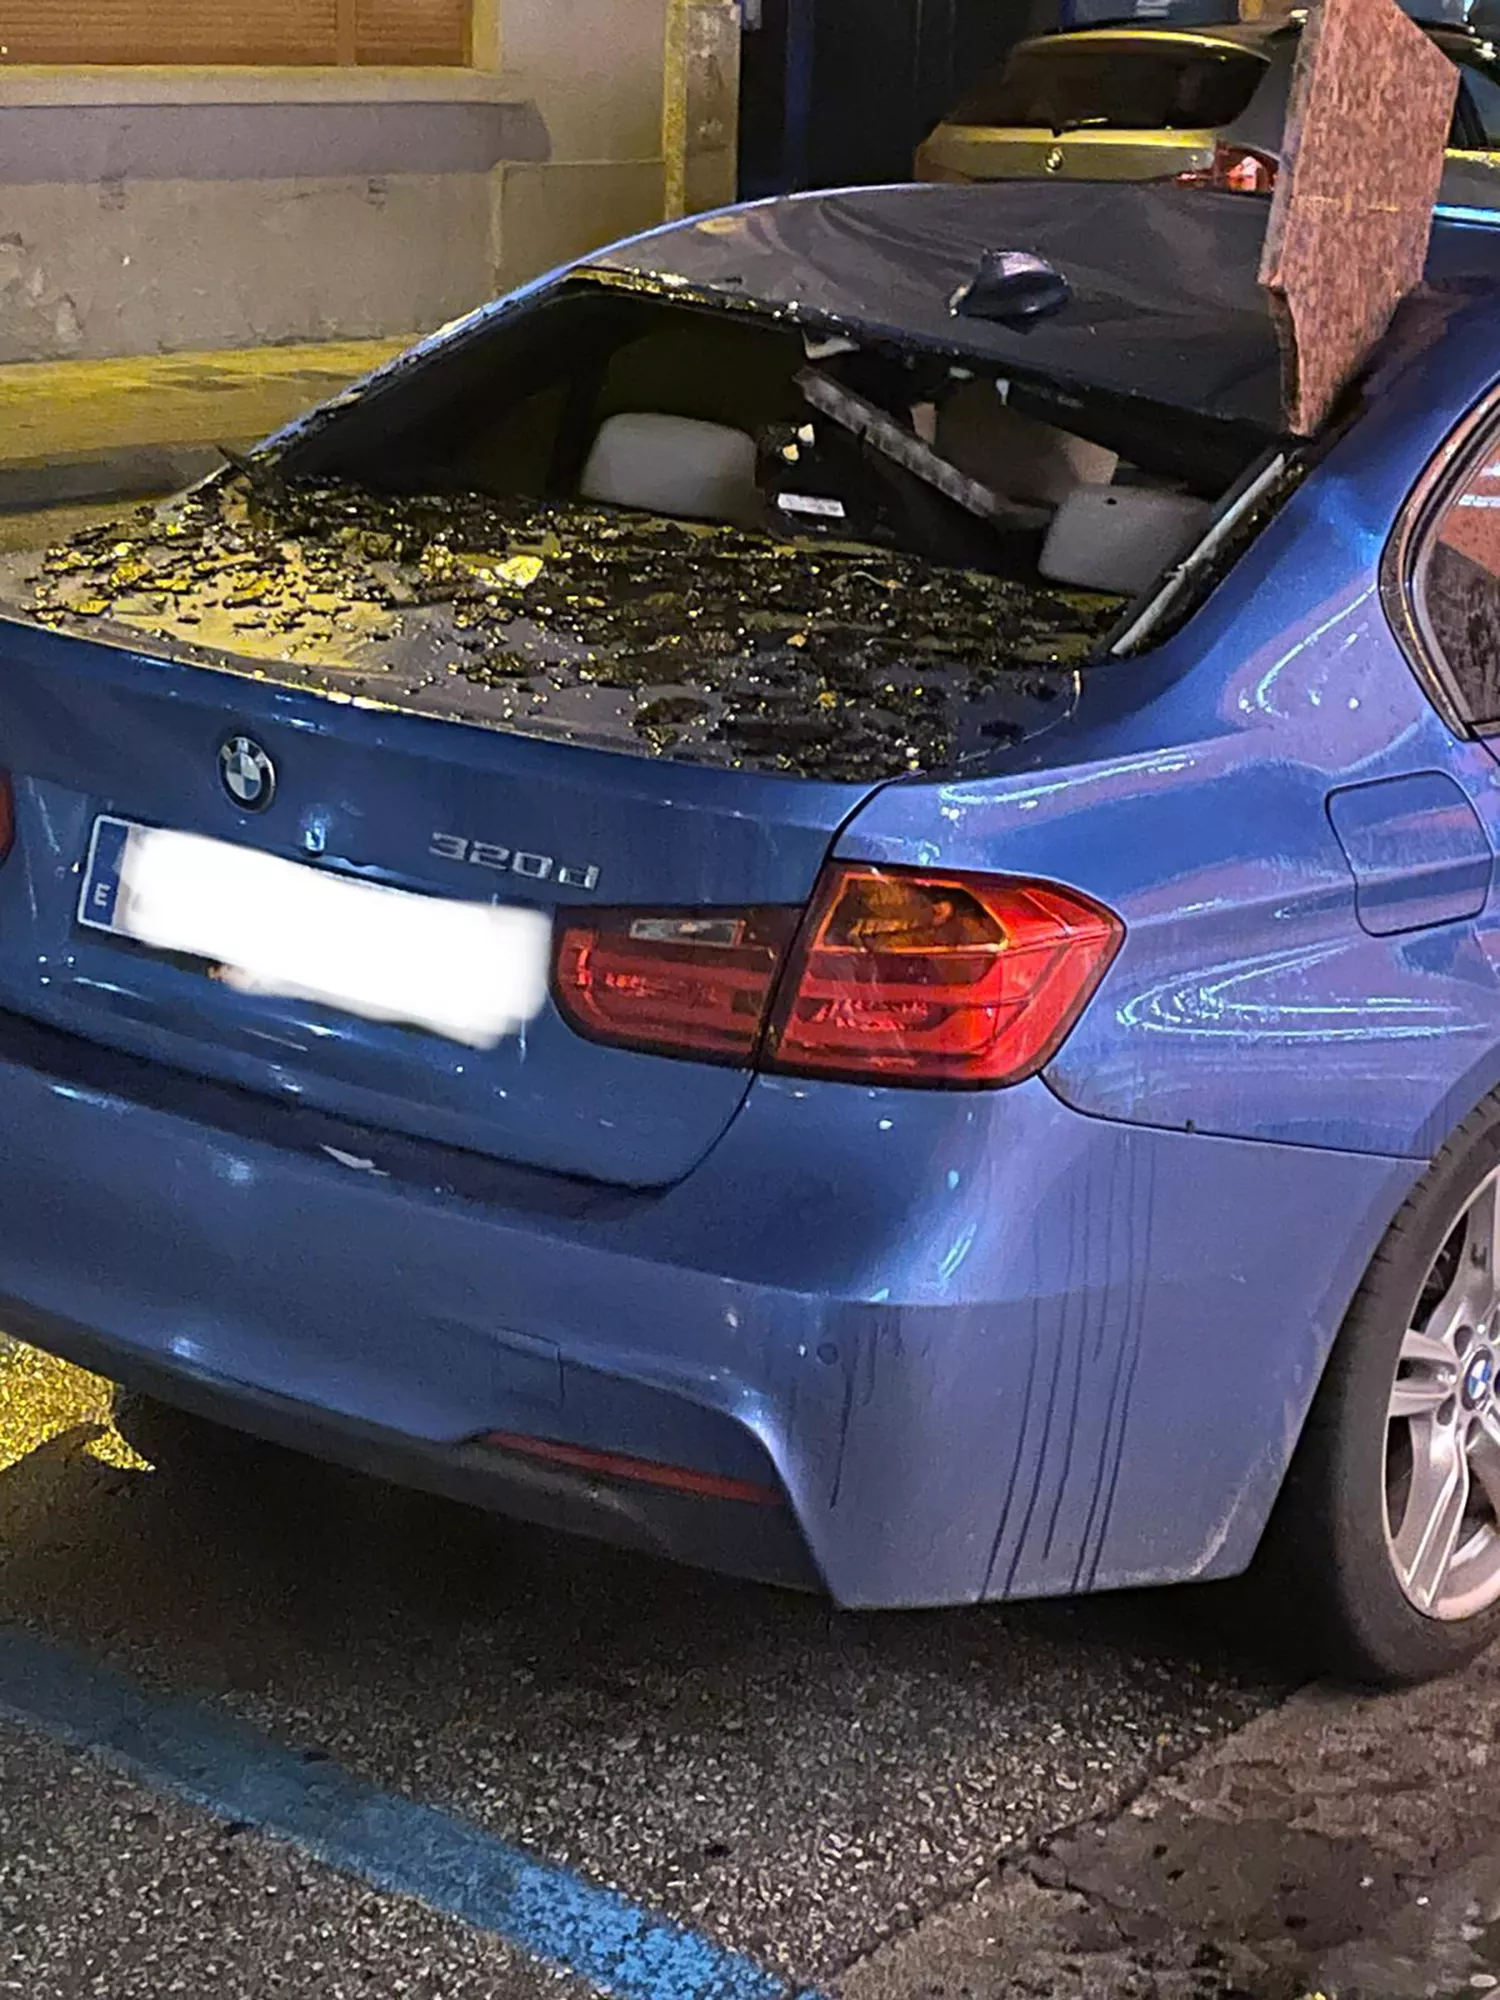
1400 1457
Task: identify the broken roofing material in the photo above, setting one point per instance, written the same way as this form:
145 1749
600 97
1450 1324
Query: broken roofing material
1363 154
709 642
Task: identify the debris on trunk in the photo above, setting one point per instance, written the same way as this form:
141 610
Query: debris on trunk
1367 128
827 659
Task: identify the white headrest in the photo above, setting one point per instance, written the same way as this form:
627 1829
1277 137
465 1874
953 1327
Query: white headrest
673 465
1120 538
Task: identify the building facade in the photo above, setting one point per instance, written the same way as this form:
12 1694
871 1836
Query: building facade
242 173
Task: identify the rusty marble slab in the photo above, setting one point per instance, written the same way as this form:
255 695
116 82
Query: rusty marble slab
1371 107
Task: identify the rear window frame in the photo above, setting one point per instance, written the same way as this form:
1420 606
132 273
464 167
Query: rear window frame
1473 438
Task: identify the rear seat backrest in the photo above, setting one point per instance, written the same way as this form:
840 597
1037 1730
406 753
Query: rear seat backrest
1015 455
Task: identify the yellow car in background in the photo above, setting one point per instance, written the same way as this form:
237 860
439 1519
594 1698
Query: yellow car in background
1206 106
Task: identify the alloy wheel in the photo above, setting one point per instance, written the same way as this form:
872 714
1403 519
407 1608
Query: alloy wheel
1442 1451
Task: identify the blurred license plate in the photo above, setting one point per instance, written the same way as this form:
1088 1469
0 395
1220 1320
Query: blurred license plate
474 972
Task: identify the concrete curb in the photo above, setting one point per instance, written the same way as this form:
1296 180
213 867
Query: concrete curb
1342 1847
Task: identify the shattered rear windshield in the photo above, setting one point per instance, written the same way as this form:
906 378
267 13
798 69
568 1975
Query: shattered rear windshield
676 531
596 625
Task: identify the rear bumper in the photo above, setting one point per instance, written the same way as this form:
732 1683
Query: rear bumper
983 1346
761 1542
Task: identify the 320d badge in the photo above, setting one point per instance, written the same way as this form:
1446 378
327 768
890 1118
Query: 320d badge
513 861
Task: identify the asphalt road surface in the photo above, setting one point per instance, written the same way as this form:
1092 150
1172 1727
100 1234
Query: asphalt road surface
789 1785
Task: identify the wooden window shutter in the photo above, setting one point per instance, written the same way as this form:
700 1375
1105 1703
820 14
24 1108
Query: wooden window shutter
410 31
211 32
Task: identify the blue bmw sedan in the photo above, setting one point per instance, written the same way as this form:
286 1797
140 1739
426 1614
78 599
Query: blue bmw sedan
806 898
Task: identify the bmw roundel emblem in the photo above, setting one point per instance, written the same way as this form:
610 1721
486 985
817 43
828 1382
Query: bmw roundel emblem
247 773
1479 1379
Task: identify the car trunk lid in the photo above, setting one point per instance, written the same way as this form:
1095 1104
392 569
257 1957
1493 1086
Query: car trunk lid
970 152
97 731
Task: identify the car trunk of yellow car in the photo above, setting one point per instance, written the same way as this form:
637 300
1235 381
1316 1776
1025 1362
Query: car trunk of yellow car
957 152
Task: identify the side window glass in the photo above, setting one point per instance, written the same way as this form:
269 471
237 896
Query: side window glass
1457 586
1482 89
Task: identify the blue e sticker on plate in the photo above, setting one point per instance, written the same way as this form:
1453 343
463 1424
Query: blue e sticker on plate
101 874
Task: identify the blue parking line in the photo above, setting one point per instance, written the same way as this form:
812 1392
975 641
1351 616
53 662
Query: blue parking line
237 1774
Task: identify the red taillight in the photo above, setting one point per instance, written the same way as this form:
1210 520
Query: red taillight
896 976
1235 170
7 815
938 979
686 983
